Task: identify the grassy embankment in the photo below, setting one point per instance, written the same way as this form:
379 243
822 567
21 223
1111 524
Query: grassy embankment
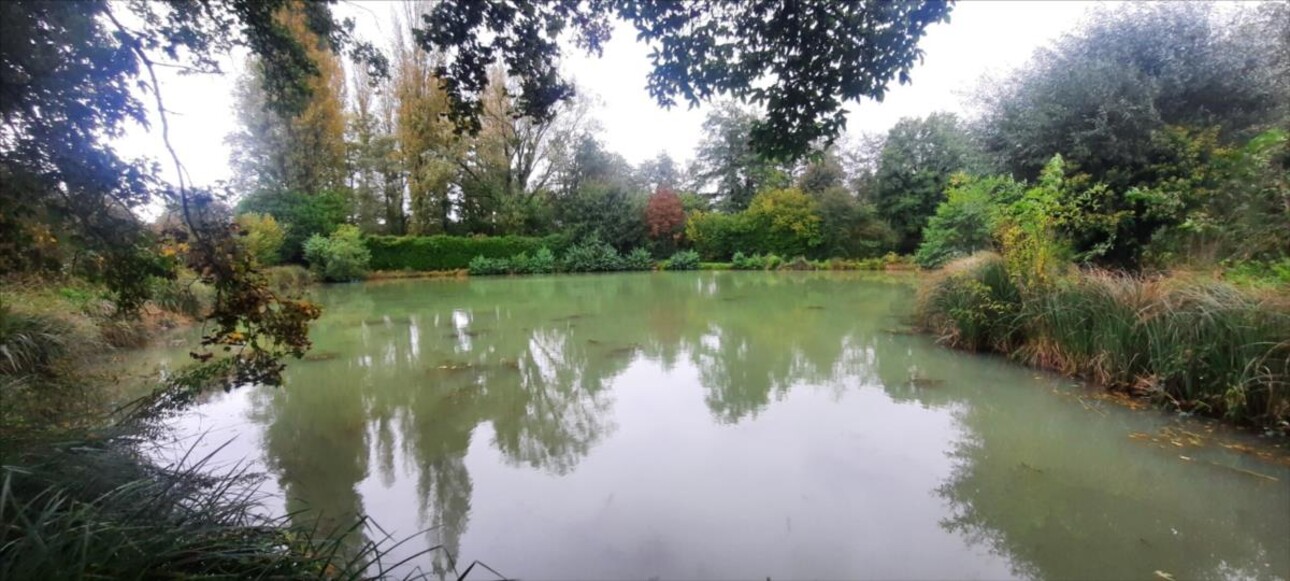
78 496
1189 342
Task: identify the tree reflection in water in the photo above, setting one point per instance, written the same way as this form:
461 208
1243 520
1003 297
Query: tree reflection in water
419 367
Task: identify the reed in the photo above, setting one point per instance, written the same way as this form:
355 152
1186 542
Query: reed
1194 344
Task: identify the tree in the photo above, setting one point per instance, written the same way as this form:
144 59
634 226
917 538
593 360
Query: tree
660 172
801 60
262 236
428 148
917 160
964 223
71 71
1099 93
301 149
1128 101
665 219
727 166
513 160
784 222
594 197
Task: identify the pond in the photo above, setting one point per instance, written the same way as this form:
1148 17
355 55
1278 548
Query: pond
717 425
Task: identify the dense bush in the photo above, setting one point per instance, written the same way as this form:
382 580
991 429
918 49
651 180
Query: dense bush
1198 345
184 294
443 252
542 262
288 279
304 215
783 222
262 236
638 259
340 257
742 261
591 256
482 265
684 260
29 343
716 236
964 222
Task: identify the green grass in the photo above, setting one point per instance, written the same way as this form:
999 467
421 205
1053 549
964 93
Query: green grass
1199 345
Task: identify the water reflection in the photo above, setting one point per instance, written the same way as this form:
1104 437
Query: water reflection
887 457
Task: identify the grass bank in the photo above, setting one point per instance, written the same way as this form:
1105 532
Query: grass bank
1194 344
80 496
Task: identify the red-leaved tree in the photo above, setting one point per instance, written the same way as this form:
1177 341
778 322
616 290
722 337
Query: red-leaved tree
665 216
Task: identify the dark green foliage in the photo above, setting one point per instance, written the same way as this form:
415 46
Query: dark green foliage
638 259
591 256
1100 94
1142 103
727 165
742 261
816 53
964 222
482 266
850 227
29 343
683 260
304 215
915 166
442 252
340 257
716 236
974 305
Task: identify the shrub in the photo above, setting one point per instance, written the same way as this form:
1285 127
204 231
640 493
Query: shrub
973 305
184 294
29 343
684 260
543 262
288 279
591 255
1198 345
638 259
716 236
262 236
799 263
783 221
964 222
741 261
443 252
482 265
340 257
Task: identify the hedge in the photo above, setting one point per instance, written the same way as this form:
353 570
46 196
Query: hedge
442 252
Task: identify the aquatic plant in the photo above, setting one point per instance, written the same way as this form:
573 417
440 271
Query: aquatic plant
1198 345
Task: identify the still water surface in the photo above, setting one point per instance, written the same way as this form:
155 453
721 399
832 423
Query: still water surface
729 425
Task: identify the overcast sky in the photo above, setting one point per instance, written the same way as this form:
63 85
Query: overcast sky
983 37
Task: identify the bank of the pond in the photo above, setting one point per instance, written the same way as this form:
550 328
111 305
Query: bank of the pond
81 496
1193 344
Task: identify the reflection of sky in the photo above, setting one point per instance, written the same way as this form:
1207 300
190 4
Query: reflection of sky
709 452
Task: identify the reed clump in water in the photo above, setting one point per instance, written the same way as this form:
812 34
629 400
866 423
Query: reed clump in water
1198 345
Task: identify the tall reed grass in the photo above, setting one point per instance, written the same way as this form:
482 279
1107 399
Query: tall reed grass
1198 345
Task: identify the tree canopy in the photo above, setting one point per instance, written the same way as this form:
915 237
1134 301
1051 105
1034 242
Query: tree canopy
800 61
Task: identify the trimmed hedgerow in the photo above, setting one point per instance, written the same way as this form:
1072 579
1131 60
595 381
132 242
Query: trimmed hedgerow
442 252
